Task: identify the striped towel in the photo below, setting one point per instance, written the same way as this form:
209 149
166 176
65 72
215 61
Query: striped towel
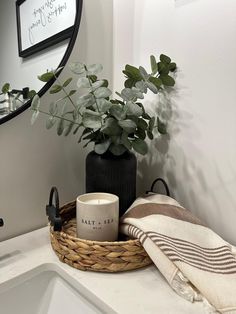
197 263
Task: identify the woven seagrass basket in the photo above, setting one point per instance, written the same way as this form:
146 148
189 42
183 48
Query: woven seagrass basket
94 255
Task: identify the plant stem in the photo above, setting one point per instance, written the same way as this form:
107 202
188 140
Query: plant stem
55 116
67 95
91 87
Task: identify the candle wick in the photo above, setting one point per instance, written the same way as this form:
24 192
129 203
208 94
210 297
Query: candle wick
98 201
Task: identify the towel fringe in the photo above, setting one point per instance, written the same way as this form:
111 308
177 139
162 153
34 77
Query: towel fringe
183 287
209 309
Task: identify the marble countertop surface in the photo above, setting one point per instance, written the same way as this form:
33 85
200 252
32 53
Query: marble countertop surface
133 292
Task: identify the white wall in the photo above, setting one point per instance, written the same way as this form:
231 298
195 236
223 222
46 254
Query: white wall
198 160
33 159
22 72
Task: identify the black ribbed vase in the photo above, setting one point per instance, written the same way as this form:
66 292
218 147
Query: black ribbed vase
112 174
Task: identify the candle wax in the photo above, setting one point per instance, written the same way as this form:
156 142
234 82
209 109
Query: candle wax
97 201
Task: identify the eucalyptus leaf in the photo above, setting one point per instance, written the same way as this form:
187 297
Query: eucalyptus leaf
31 94
140 133
85 131
92 112
60 126
133 109
146 116
117 150
53 109
116 111
153 65
128 125
138 93
50 122
161 66
105 83
140 146
76 129
78 68
111 127
142 86
172 66
167 80
115 139
102 92
86 100
142 124
165 59
94 69
83 82
93 78
46 77
102 147
69 128
152 87
72 92
161 126
143 73
91 121
5 88
103 105
128 95
75 115
151 124
97 84
35 102
150 135
34 116
132 72
129 83
156 81
55 89
125 141
67 82
91 136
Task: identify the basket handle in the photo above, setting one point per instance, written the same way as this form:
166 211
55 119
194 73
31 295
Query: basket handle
53 211
163 182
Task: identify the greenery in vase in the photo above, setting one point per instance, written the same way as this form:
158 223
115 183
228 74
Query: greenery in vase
114 125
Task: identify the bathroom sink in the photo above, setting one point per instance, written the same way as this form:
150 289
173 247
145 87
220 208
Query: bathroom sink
48 289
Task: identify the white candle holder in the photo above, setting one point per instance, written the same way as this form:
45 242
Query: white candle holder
97 216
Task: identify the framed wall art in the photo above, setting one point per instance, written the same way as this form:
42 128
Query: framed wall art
43 23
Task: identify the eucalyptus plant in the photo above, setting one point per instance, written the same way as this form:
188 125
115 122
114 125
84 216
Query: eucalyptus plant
112 124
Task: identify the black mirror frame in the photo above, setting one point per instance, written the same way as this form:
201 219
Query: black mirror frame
44 89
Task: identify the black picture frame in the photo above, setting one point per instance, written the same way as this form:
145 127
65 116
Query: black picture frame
48 41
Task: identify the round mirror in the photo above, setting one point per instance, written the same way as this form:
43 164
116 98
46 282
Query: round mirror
35 36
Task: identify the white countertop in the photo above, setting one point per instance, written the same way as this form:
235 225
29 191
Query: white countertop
134 292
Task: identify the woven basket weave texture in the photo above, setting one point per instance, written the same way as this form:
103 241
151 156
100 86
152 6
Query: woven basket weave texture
94 255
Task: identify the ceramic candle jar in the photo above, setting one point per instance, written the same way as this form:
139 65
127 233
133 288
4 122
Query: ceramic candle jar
97 216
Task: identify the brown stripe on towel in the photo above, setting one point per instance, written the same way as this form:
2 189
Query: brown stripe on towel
187 243
206 262
200 259
147 209
136 233
228 271
187 251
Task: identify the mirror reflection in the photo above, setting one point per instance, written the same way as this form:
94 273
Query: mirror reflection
18 76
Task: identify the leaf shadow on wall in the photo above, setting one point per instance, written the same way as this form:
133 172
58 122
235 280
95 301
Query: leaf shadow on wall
195 180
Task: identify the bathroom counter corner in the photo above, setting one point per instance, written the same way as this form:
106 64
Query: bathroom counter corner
139 291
